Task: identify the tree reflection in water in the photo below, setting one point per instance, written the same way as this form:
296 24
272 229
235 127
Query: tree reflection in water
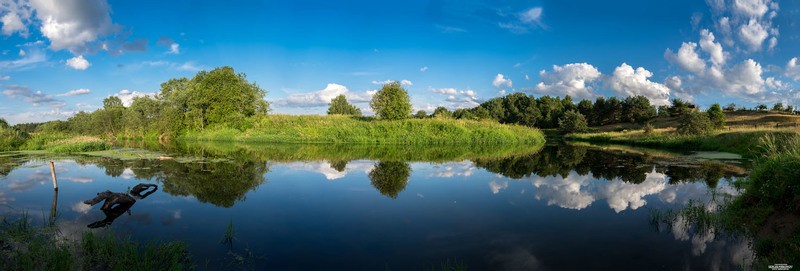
600 164
390 177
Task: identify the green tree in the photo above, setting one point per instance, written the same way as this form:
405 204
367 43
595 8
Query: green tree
222 96
637 109
761 107
679 107
340 106
390 177
663 111
694 123
421 114
481 113
586 108
463 113
572 122
4 124
716 116
110 117
391 102
778 107
730 107
442 112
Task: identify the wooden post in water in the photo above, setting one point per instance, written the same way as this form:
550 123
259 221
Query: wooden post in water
53 208
53 173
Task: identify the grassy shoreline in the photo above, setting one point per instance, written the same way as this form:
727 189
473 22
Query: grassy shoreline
739 141
346 129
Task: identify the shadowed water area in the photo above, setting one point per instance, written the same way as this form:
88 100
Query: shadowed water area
334 207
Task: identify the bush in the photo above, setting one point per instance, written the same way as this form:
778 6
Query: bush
648 129
391 102
716 116
694 123
421 114
572 122
442 112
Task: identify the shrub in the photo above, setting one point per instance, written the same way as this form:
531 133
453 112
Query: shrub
694 123
572 122
716 116
648 129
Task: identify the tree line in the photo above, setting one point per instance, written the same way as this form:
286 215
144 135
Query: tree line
217 97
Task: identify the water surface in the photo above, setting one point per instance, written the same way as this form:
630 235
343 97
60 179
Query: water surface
308 207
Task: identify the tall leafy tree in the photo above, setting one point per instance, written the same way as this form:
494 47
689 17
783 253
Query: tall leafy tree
391 102
221 96
637 109
340 106
679 107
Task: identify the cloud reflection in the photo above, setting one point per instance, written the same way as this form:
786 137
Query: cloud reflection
331 169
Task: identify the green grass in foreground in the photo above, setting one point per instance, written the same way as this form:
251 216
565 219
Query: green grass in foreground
741 142
24 246
346 129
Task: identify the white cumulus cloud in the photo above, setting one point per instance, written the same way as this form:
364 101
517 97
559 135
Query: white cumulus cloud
629 82
323 97
753 34
686 58
70 24
500 80
127 96
75 92
571 79
78 63
793 69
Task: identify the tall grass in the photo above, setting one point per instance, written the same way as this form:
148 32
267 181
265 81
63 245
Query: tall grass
64 143
11 139
24 246
345 129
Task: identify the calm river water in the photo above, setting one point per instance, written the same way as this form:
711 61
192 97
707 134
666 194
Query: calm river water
364 208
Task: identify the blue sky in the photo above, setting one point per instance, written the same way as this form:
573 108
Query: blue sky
63 56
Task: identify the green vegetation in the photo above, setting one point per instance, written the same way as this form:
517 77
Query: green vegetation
27 247
716 116
572 122
340 106
391 102
77 145
735 141
11 138
343 129
694 123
